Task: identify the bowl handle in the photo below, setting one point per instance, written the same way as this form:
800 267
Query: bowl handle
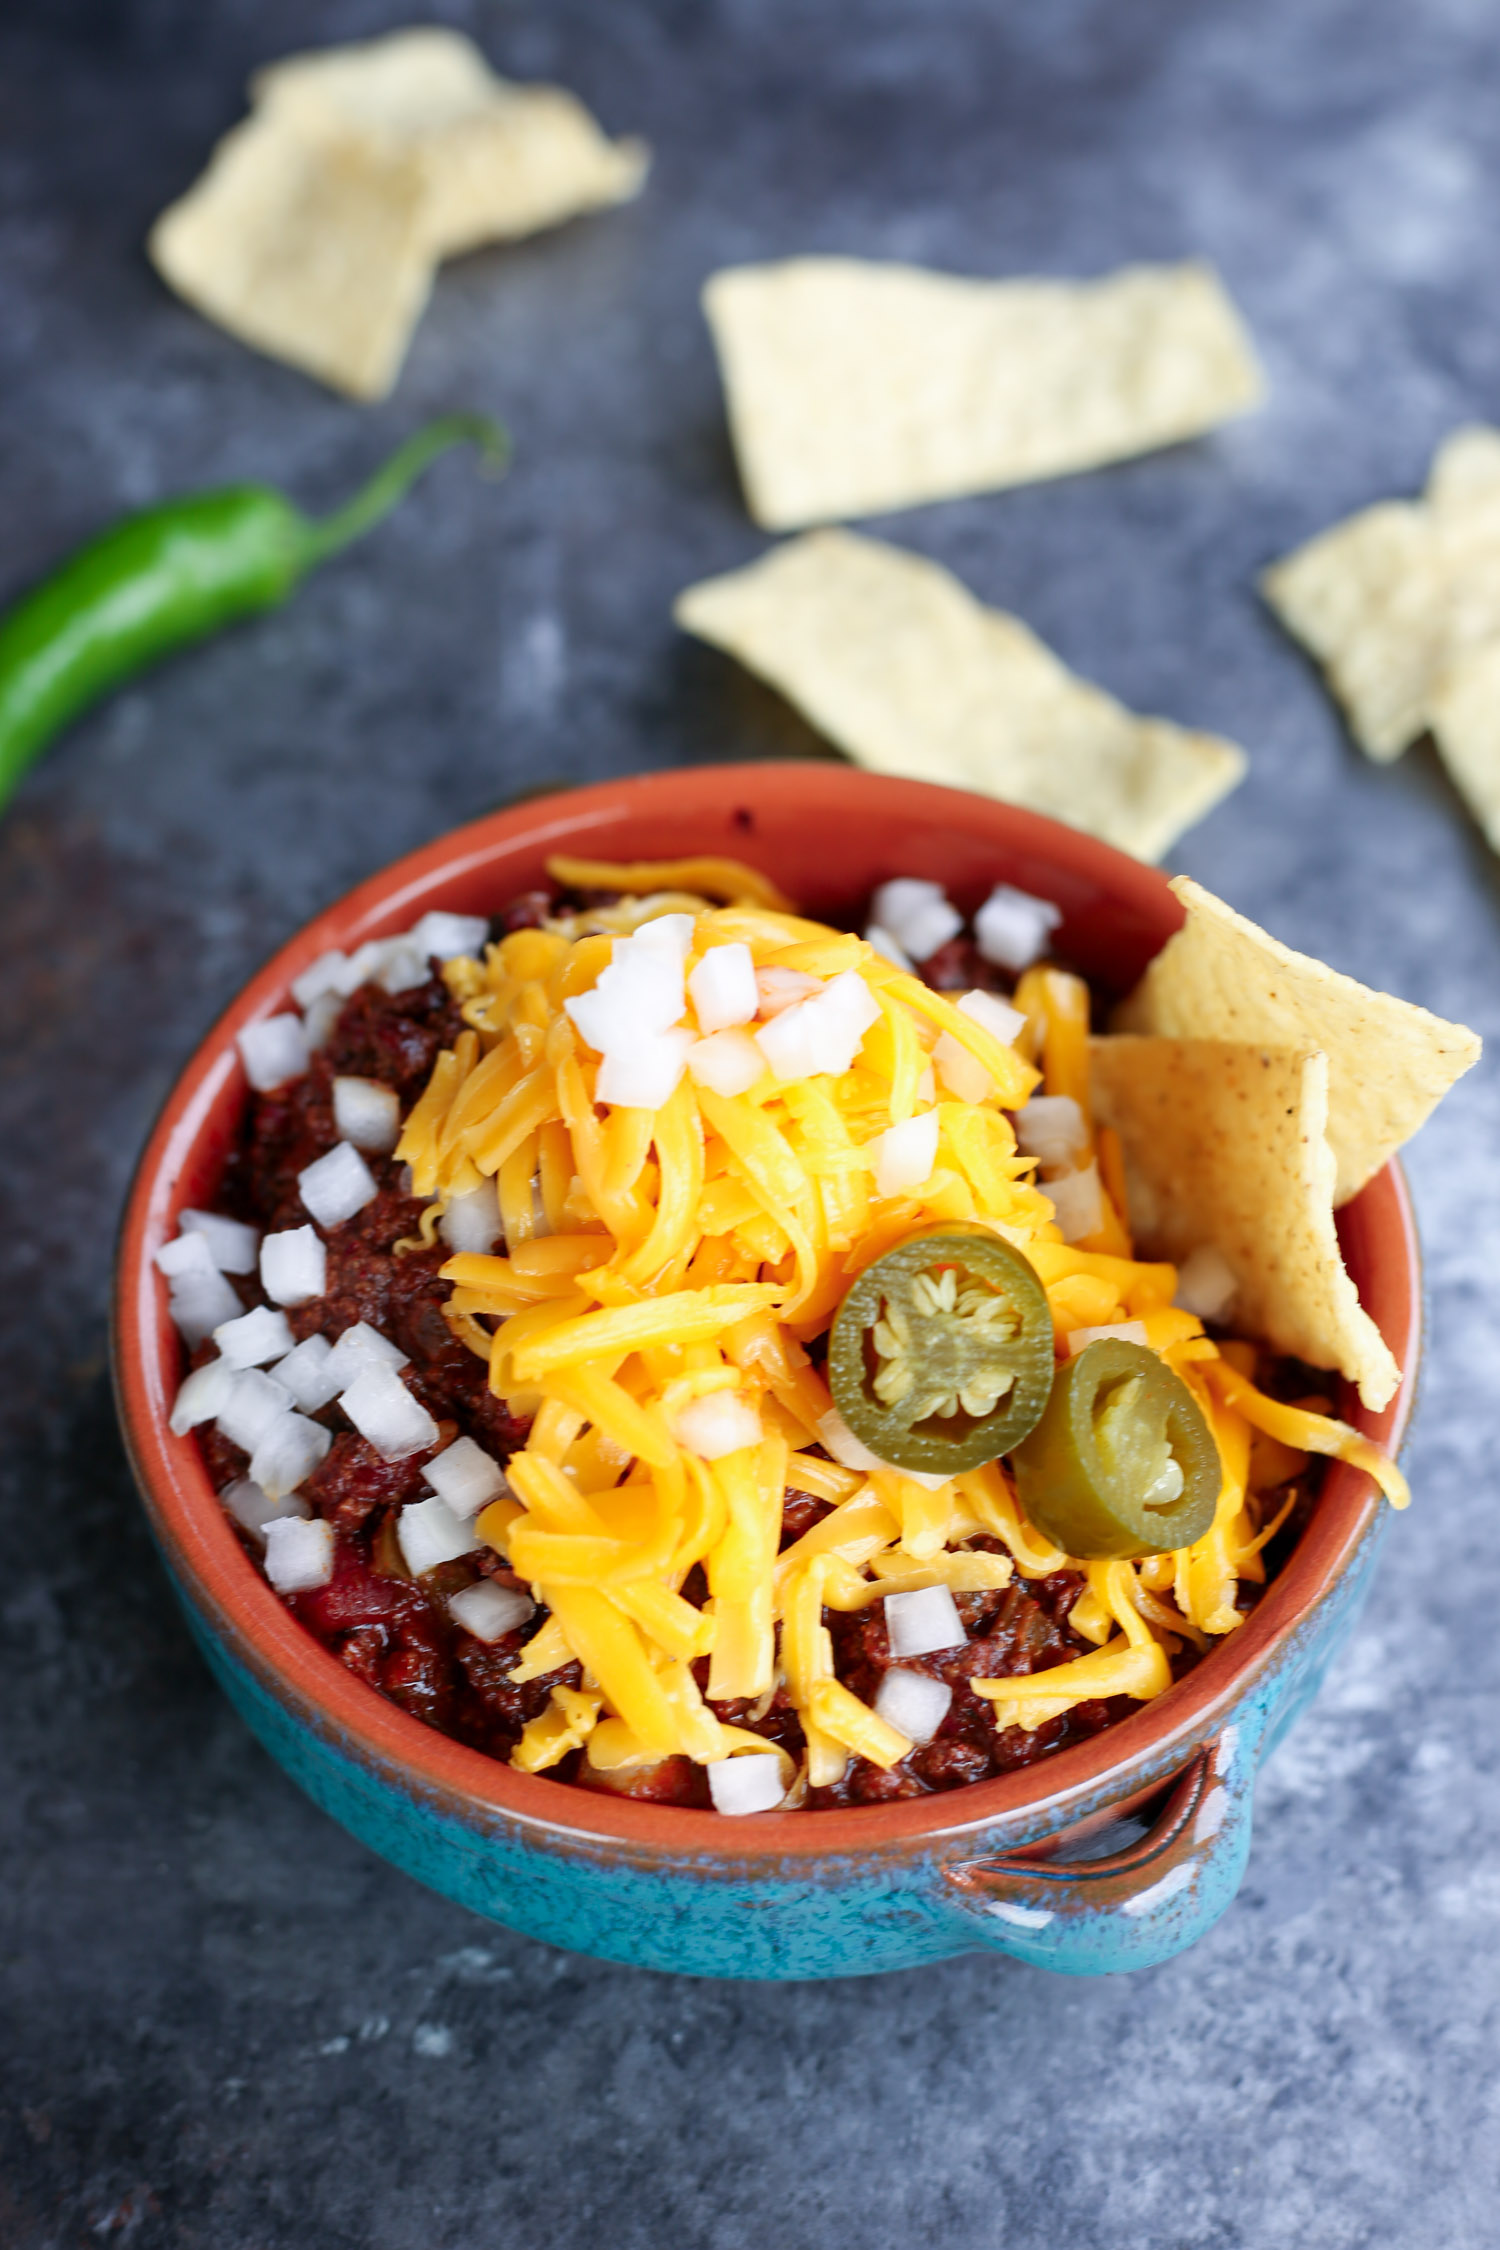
1133 1907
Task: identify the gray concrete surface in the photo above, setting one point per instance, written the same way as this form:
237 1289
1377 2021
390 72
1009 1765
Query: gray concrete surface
225 2023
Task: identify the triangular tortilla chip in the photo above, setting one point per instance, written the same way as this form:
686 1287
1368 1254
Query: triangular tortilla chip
1225 1147
897 663
855 387
1389 1063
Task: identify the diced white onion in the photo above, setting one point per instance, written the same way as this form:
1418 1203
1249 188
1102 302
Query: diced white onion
821 1035
673 931
722 1422
1052 1128
402 969
429 1533
885 945
254 1509
723 988
646 1074
273 1051
255 1401
358 1347
440 936
1128 1331
188 1254
913 1704
905 1154
367 1114
383 1410
199 1303
920 1623
472 1222
777 989
307 1374
294 1266
320 1019
919 916
321 978
287 1454
489 1611
996 1016
838 1439
1077 1203
728 1063
749 1783
639 994
1012 928
231 1244
257 1336
202 1396
1206 1283
337 1185
365 963
299 1554
465 1477
927 1085
963 1074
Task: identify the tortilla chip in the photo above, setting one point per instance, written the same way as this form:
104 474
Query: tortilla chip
312 251
855 387
897 663
1225 1145
1389 1063
500 160
1466 726
1391 599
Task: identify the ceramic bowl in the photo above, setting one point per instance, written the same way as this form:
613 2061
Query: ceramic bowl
1110 1855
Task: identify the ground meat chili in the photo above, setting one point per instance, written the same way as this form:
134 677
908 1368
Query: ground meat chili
397 1634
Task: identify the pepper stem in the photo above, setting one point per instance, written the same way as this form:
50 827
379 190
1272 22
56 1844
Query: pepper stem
395 478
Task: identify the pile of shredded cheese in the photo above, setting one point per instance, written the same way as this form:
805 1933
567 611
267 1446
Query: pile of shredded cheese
657 1258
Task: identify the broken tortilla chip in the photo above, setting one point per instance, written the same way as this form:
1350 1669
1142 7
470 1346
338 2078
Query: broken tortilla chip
1225 1146
499 159
312 251
855 387
1389 1063
896 662
1465 714
1392 599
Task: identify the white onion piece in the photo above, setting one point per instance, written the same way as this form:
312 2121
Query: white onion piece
723 989
440 936
320 1019
402 969
1052 1128
489 1611
720 1423
963 1074
188 1254
201 1302
231 1244
821 1035
673 931
337 1185
919 915
881 942
994 1015
429 1533
1077 1203
364 965
1012 928
1128 1331
645 1074
920 1623
358 1347
299 1554
472 1222
777 989
639 994
1206 1283
273 1051
905 1154
253 1509
913 1704
306 1374
367 1114
253 1404
202 1396
294 1266
384 1411
727 1062
465 1477
838 1439
288 1452
321 978
750 1783
255 1337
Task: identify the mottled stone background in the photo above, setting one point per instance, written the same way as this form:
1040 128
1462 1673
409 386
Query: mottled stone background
228 2025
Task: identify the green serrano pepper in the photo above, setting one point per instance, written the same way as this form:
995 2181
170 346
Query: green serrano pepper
172 575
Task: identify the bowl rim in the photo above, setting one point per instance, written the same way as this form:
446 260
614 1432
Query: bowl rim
240 1609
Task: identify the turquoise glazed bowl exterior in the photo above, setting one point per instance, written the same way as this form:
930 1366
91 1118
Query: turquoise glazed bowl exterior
1111 1855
